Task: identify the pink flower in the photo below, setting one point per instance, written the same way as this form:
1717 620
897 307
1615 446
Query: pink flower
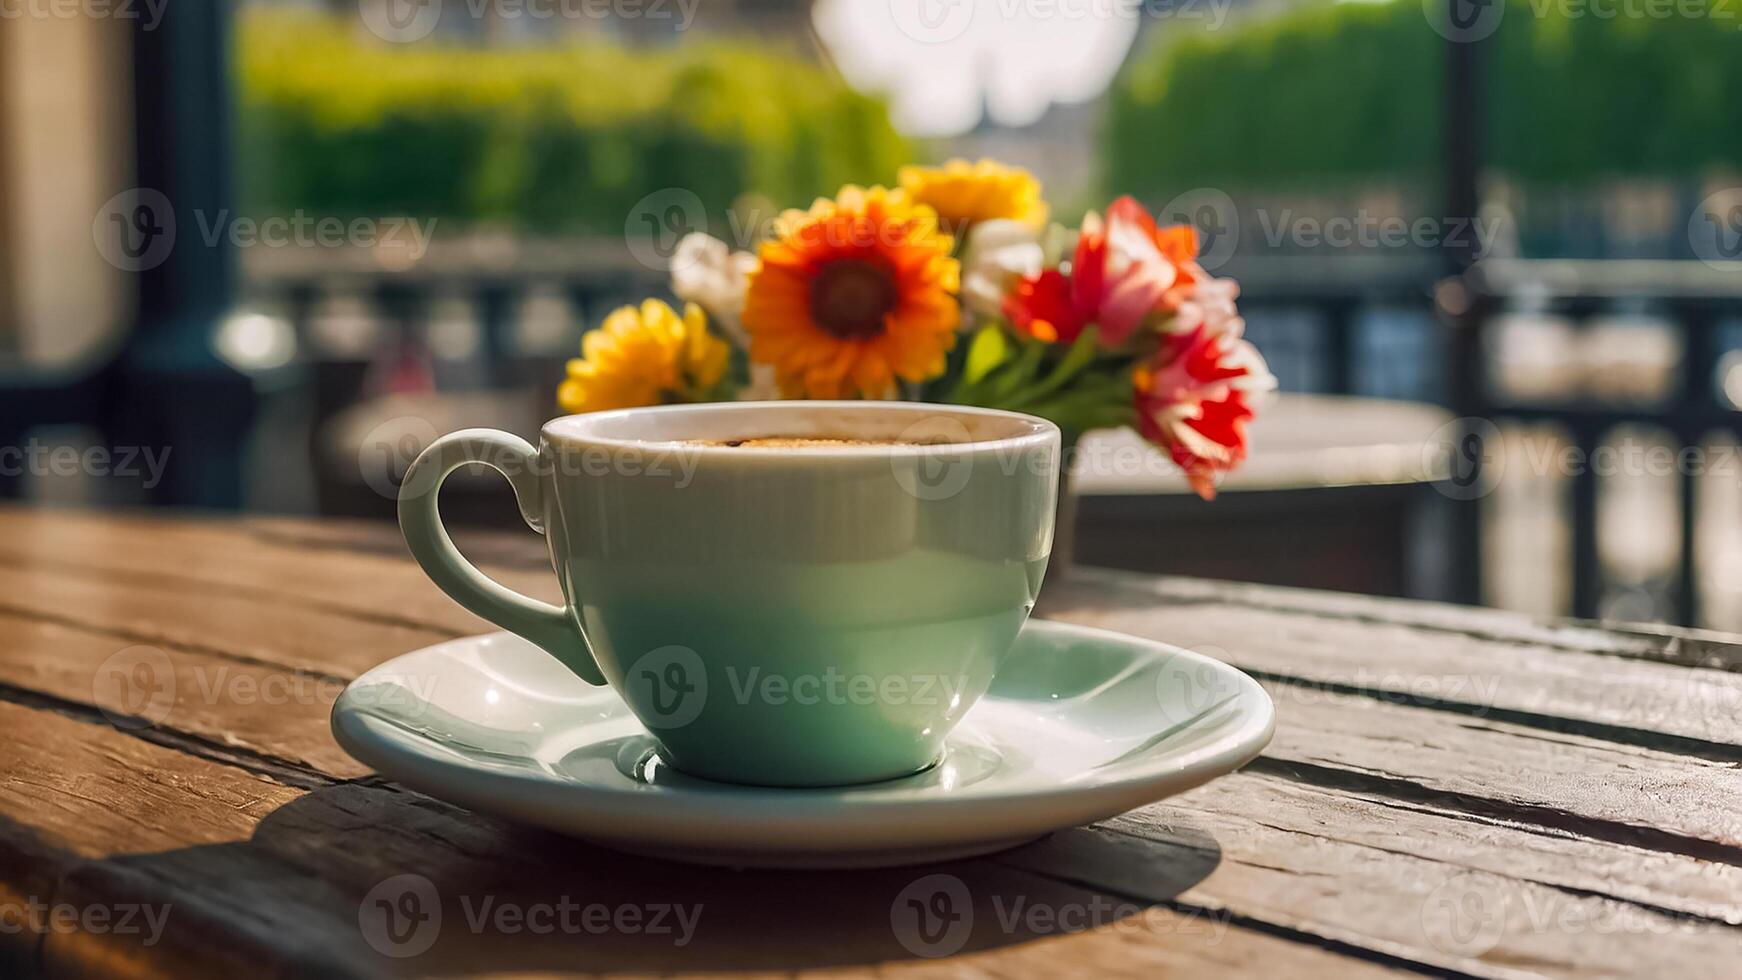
1121 274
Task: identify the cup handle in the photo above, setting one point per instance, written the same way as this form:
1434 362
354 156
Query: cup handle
553 628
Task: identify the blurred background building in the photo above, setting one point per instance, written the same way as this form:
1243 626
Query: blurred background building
289 242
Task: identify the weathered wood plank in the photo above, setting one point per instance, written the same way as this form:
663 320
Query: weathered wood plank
1366 817
271 555
226 558
1276 861
1460 894
73 792
1647 799
1431 663
360 567
250 876
1611 697
1670 886
239 697
508 552
1669 644
188 696
252 628
1635 796
1656 798
256 551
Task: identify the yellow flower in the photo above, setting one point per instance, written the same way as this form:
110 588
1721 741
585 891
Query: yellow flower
853 294
963 193
645 356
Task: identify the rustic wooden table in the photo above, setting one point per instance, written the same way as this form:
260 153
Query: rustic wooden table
1450 791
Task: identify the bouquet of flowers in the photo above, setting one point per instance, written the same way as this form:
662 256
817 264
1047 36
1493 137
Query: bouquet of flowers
951 287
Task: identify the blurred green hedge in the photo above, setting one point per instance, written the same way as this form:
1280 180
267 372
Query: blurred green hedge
1353 92
563 138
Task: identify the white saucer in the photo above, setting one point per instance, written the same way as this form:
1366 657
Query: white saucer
1080 725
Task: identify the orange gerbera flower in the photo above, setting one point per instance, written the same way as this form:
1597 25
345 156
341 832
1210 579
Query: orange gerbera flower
852 295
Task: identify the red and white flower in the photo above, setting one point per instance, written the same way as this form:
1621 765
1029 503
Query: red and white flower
1196 396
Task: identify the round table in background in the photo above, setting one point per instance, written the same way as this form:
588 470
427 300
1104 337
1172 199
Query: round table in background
1336 493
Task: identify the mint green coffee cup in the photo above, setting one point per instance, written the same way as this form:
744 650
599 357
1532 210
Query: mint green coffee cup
808 616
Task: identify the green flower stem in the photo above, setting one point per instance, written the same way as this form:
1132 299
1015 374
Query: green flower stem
1081 354
1085 388
1082 416
1006 381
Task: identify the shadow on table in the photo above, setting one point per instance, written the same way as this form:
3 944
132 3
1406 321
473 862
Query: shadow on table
367 876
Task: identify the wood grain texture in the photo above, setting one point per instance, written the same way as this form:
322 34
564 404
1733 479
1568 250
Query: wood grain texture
1532 680
1451 791
248 875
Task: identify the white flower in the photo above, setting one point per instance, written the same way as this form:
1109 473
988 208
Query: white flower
1207 302
705 271
762 386
998 253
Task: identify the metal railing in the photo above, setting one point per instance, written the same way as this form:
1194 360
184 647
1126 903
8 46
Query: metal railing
1696 303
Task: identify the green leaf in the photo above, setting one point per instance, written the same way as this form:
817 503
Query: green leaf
989 349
